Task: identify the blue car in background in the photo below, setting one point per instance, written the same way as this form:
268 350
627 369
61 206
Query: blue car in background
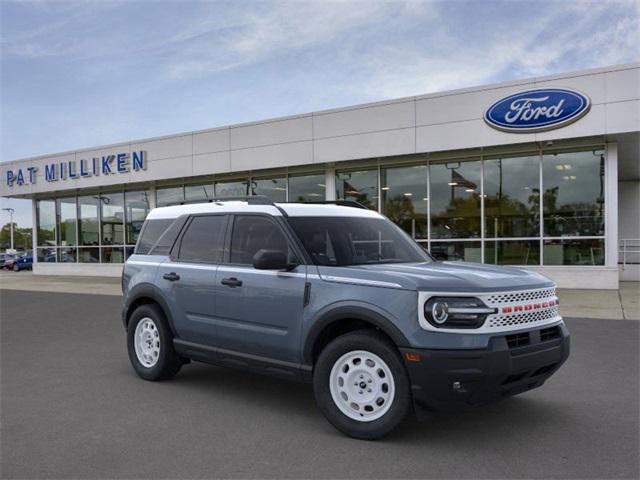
23 262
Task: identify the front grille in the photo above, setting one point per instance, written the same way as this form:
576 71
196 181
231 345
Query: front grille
516 297
523 318
518 340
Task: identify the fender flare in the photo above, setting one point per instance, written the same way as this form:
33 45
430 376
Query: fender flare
353 312
149 291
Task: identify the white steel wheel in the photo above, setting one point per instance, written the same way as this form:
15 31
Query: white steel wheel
146 341
362 385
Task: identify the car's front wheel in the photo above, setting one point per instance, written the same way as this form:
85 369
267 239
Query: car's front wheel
16 268
361 385
150 344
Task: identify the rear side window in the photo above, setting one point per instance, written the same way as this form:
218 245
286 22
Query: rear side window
152 231
252 233
203 241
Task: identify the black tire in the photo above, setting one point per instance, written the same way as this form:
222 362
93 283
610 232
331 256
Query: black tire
376 343
16 268
168 362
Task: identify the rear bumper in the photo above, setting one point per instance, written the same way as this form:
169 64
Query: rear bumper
448 380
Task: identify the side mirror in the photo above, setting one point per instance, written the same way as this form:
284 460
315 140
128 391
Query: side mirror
270 260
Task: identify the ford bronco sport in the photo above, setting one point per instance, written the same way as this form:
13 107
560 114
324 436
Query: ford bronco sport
339 296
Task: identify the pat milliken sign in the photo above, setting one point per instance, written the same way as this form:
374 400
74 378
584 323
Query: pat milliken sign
105 165
537 110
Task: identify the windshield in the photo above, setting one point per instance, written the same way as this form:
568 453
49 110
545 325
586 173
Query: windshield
343 241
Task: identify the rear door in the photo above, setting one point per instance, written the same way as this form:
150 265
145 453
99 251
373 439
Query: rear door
188 277
259 312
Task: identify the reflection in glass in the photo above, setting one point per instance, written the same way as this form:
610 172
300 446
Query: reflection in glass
307 188
112 255
512 197
457 251
46 255
169 196
404 198
67 221
67 254
573 199
455 200
198 192
89 255
88 220
512 252
574 252
232 189
360 186
112 218
46 218
136 210
274 188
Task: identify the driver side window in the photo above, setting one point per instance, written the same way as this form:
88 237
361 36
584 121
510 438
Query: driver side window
252 233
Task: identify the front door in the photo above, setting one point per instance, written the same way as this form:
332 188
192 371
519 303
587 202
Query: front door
259 312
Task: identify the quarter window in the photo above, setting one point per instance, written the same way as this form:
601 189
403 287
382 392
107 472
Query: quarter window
252 233
203 240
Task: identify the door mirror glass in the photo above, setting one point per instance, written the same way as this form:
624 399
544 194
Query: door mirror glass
270 260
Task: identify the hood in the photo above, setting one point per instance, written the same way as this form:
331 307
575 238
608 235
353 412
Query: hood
441 276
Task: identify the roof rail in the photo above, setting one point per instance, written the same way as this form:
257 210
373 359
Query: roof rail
250 199
342 203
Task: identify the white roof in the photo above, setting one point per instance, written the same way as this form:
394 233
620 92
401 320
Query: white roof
292 209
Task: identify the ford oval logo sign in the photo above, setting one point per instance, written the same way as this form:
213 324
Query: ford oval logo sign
537 110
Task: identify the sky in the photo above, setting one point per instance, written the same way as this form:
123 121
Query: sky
86 73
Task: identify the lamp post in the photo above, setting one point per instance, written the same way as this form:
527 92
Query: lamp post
11 212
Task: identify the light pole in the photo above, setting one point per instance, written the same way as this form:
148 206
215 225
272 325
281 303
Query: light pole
11 212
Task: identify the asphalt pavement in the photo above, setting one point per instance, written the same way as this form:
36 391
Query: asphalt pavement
72 407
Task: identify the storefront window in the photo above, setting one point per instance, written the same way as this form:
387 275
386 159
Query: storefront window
307 188
136 210
67 255
193 193
274 188
88 220
361 186
67 221
574 252
112 216
112 255
512 252
46 217
89 255
169 196
573 199
455 200
457 251
512 197
46 255
405 200
232 189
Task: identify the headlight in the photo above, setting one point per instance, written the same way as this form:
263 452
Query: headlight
456 312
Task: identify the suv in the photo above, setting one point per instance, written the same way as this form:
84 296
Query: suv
338 296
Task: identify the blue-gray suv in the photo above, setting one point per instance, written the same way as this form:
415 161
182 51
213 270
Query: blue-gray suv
338 296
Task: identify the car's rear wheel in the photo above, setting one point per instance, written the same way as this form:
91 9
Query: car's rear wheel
150 344
361 385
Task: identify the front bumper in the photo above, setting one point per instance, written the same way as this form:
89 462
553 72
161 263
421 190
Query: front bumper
448 380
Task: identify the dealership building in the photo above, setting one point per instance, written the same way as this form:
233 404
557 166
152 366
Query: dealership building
541 172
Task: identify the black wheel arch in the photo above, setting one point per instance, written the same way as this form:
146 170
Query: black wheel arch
353 315
143 294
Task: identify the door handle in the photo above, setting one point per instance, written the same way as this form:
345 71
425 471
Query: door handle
231 282
172 277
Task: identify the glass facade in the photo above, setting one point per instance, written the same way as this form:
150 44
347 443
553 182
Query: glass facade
479 209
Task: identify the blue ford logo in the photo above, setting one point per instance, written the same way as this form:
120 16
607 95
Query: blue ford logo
537 110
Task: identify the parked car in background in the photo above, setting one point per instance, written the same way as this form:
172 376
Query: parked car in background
23 262
7 260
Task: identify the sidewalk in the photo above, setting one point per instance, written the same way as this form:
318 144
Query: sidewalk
623 304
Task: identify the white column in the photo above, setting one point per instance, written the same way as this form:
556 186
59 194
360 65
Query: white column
152 197
34 231
330 182
611 205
